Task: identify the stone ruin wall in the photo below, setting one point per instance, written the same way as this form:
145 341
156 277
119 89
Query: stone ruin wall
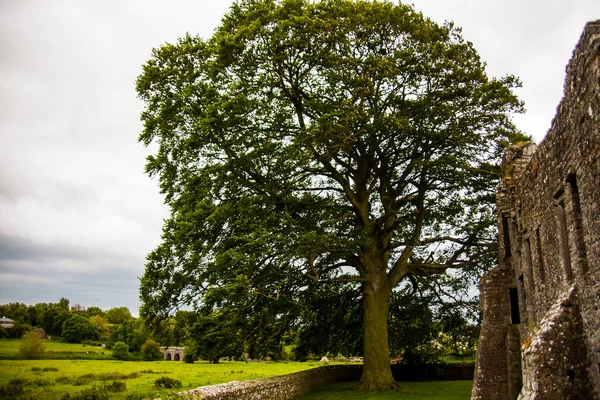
541 331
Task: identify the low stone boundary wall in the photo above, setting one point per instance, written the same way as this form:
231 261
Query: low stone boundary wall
285 387
288 387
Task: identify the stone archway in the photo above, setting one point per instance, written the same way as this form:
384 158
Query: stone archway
173 353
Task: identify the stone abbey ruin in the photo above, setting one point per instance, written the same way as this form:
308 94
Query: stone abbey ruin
540 337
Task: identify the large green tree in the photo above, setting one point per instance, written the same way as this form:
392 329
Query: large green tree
77 328
338 140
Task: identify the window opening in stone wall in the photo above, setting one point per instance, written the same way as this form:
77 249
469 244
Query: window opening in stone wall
540 256
514 306
578 223
506 236
528 264
564 237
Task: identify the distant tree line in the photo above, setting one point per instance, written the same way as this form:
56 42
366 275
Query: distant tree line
78 324
423 328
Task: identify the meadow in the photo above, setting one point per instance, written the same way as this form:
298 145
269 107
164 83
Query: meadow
62 375
51 379
9 350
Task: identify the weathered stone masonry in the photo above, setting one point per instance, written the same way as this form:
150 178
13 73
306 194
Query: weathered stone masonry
540 337
285 387
173 353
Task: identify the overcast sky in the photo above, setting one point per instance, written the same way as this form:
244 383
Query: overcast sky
77 213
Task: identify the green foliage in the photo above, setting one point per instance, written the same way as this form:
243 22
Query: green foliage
53 319
166 382
118 315
32 347
84 380
306 142
45 369
11 391
49 316
77 328
151 351
101 327
18 331
120 351
116 386
93 393
331 322
42 382
94 311
130 331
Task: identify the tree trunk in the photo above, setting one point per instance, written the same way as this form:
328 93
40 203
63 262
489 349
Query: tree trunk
377 372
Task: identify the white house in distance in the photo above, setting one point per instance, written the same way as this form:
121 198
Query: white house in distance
6 323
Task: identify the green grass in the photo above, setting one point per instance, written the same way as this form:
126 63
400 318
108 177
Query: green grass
9 350
191 375
62 372
438 390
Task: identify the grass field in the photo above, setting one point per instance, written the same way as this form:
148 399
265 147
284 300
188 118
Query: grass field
62 373
71 376
71 368
446 390
9 350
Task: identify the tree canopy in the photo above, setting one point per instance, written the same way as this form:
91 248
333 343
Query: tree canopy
309 143
77 328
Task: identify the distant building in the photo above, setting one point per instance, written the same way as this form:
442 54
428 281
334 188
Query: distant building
40 332
6 323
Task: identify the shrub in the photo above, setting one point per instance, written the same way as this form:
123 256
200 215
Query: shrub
42 382
93 393
64 379
116 386
32 347
84 380
188 358
19 382
45 369
151 351
11 391
167 383
120 351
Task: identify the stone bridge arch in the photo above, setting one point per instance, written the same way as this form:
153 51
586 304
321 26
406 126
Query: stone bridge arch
173 353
